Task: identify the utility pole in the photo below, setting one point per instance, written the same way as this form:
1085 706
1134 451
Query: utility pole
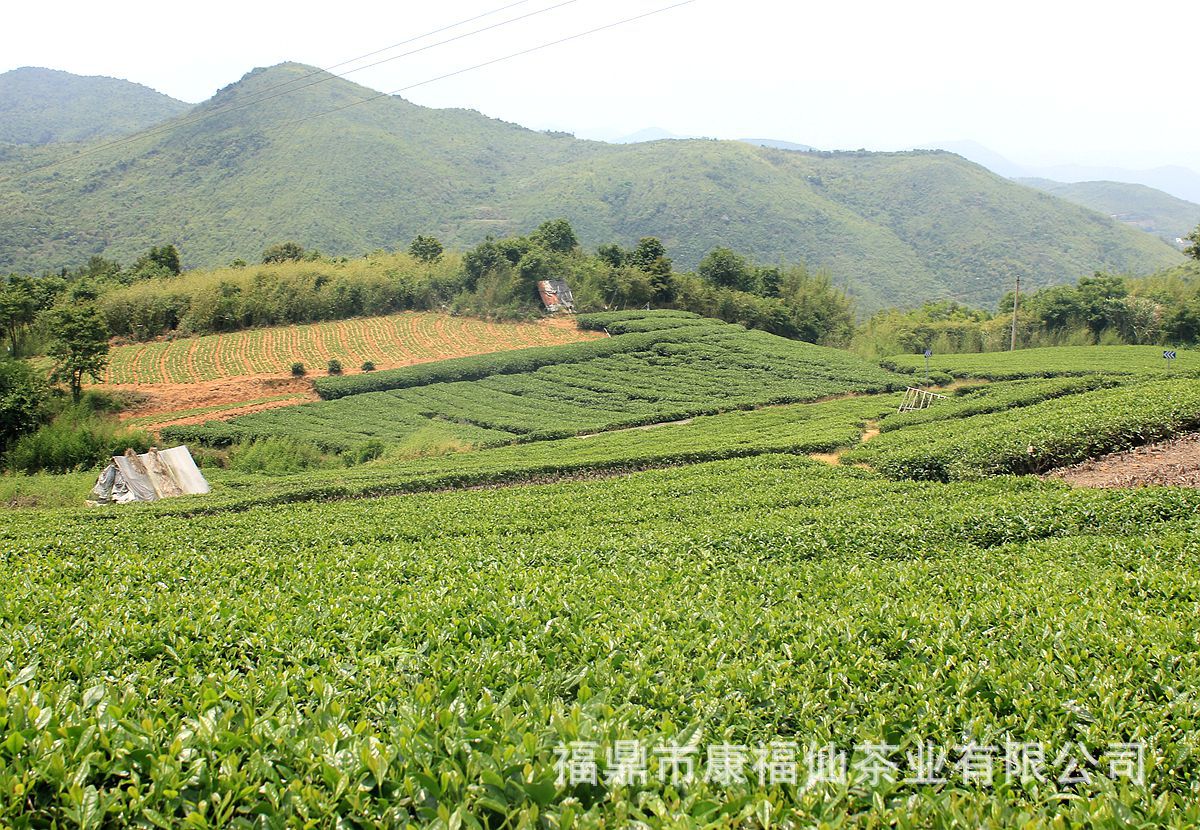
1012 347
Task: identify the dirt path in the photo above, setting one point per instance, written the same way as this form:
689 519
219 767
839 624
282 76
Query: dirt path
1174 463
834 459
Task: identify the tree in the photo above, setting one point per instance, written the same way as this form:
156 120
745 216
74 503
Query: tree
728 269
79 346
481 260
22 401
157 262
650 255
427 249
1193 250
18 306
556 235
612 255
99 268
166 257
283 252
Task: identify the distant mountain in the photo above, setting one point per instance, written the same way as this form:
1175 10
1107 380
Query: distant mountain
650 134
896 228
775 144
46 106
1142 207
1179 182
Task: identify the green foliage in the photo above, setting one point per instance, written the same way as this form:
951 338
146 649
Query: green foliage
893 228
1193 250
1142 207
23 399
231 299
669 366
725 268
276 456
298 370
78 345
998 397
741 602
433 459
17 312
1104 309
426 249
1039 437
46 106
364 453
283 252
368 366
335 367
650 256
1053 362
556 235
164 260
77 439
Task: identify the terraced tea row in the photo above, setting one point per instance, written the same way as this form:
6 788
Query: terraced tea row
426 658
622 381
400 339
1039 437
1053 362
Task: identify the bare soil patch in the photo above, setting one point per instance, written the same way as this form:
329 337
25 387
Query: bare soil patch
1173 463
166 399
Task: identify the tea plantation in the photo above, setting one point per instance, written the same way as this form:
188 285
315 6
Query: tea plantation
421 658
657 367
556 630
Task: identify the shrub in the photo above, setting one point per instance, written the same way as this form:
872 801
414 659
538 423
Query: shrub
23 399
335 367
368 366
276 456
298 370
76 440
361 454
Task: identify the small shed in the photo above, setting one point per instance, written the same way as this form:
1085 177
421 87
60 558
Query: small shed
556 295
151 476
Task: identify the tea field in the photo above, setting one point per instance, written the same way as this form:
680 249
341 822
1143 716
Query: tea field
424 658
1056 361
1056 432
638 603
396 340
679 367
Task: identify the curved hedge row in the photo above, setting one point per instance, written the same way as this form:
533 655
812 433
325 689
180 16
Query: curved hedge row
1037 438
504 363
997 397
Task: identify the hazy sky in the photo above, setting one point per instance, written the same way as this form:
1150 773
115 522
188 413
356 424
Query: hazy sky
1040 82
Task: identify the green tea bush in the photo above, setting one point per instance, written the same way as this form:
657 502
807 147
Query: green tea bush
1039 437
997 397
1055 362
421 660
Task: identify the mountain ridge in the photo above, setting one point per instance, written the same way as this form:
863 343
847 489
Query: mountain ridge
1138 205
40 106
896 228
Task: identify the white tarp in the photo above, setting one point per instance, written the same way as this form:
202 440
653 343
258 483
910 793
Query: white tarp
148 477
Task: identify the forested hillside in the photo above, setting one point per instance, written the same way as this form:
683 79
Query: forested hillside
46 106
895 228
1142 207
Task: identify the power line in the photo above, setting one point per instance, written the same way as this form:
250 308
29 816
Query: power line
262 97
492 62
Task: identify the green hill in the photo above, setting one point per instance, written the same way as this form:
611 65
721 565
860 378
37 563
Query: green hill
46 106
1143 207
898 228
